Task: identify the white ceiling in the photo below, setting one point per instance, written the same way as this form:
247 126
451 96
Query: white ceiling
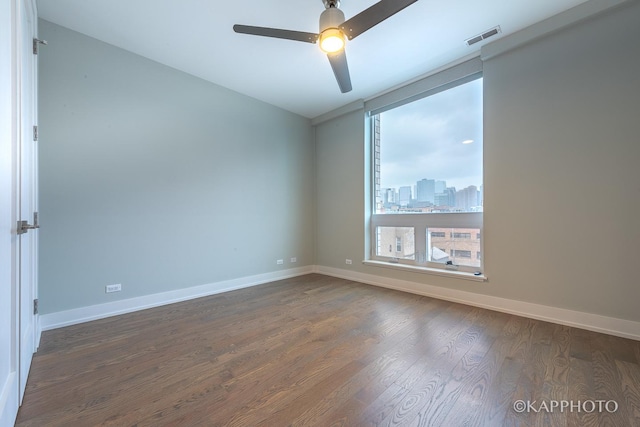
196 36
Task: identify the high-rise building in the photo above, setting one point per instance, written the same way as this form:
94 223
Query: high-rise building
451 193
426 190
441 198
467 199
446 197
404 195
388 196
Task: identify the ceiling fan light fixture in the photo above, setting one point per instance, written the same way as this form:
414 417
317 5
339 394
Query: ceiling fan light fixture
332 40
334 31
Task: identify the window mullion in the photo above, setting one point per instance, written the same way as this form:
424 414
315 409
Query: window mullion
421 242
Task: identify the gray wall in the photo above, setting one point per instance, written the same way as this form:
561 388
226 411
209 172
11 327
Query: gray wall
158 180
340 173
562 175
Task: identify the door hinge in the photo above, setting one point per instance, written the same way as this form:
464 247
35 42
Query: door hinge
35 306
35 133
36 45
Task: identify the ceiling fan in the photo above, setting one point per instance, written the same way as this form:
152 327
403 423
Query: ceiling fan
333 30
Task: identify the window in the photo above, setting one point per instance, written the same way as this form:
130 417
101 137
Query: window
427 178
461 235
391 238
443 249
457 253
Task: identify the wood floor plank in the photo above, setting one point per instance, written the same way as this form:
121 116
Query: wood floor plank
580 389
531 380
551 392
558 369
320 351
607 381
630 382
556 376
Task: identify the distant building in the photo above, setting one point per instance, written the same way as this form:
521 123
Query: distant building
404 195
388 197
467 199
396 242
461 246
442 199
426 190
446 198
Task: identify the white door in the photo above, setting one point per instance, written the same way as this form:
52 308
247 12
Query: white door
27 190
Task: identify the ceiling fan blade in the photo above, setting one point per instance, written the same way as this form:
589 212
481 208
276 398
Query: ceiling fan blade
277 33
374 15
340 68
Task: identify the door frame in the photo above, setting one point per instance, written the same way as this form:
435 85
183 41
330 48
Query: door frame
11 43
9 385
27 181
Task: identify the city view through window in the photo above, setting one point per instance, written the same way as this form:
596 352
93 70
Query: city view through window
430 153
428 160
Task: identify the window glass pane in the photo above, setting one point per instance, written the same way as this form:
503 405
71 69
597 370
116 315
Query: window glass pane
460 246
429 153
395 242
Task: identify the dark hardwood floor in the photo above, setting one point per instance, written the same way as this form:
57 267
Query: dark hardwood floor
321 351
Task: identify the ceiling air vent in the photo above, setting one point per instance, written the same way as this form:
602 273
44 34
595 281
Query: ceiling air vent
485 35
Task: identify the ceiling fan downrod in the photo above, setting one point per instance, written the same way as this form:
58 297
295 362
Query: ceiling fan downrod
331 3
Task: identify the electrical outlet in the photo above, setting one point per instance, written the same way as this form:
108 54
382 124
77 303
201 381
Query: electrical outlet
294 259
113 288
348 261
280 261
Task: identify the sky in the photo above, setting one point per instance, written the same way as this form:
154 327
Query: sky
423 139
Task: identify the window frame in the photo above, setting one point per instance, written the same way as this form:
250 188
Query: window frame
421 222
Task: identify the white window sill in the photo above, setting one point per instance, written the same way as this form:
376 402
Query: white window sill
427 270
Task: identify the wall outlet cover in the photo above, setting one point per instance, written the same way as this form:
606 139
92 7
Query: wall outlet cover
113 288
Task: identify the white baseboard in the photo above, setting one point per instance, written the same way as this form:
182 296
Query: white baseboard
9 400
114 308
593 322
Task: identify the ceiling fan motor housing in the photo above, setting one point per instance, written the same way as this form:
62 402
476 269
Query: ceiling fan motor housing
331 18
